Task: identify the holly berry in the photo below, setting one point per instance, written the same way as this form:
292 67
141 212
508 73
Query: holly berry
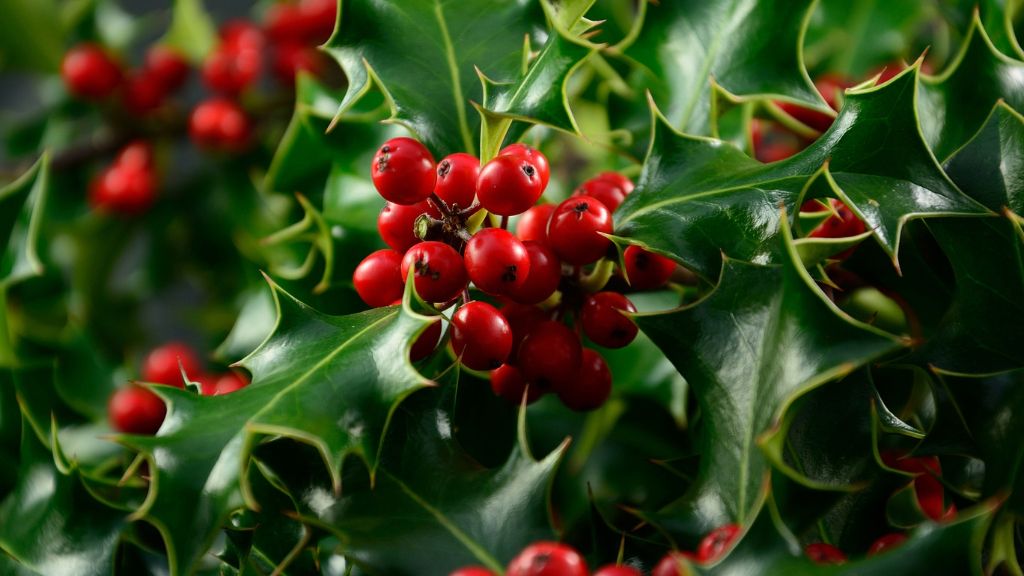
831 88
125 189
550 354
220 124
142 93
509 185
618 571
438 271
456 179
481 337
166 67
717 542
590 388
821 553
533 224
241 35
576 227
842 224
523 319
496 261
674 564
547 559
136 410
90 73
403 171
508 382
539 160
284 23
647 270
289 59
396 224
603 321
609 188
472 571
771 143
228 383
886 543
426 342
165 364
318 18
138 154
231 69
545 275
378 278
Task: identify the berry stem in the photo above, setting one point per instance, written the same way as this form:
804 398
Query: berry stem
441 206
504 222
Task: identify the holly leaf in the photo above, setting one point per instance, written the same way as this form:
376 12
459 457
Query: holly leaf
988 167
764 337
31 37
330 381
699 198
192 31
22 203
749 49
953 106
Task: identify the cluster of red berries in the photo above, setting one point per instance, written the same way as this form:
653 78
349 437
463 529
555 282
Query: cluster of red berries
550 559
136 410
128 185
928 489
535 274
91 73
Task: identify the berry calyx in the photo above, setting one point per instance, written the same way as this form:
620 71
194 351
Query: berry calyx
576 227
90 73
549 355
220 124
396 224
508 382
426 342
456 179
164 365
674 563
717 543
533 224
590 388
509 185
481 337
545 275
886 543
547 559
136 410
539 160
821 553
438 271
403 171
378 278
618 571
496 261
647 270
603 321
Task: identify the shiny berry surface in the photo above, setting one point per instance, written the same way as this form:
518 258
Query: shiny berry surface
539 160
164 364
123 189
438 271
886 543
547 559
378 278
604 322
228 383
481 337
545 275
395 224
533 224
231 70
508 382
843 223
136 410
607 189
821 553
403 171
220 124
647 270
674 564
618 571
456 179
550 354
509 185
591 387
717 543
576 227
89 72
496 261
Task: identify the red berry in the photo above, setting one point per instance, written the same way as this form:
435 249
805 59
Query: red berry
930 496
830 87
522 318
229 382
545 275
481 337
717 543
814 206
378 278
207 384
241 35
821 553
136 410
289 59
164 364
612 570
284 24
540 161
533 224
472 571
550 354
142 93
674 564
403 171
438 271
89 72
547 559
509 383
603 322
231 70
842 224
219 124
496 261
647 270
123 189
456 179
886 543
167 67
625 184
591 386
318 18
426 342
509 185
137 155
396 223
609 188
576 227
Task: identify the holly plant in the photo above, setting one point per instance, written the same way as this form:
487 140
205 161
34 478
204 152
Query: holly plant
512 287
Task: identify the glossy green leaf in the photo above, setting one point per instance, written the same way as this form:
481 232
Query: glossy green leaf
332 382
21 210
192 31
764 337
749 48
955 105
989 168
699 198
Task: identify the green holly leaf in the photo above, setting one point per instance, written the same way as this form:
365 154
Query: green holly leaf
749 49
988 167
953 106
699 198
764 337
192 31
22 203
329 381
52 523
31 37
